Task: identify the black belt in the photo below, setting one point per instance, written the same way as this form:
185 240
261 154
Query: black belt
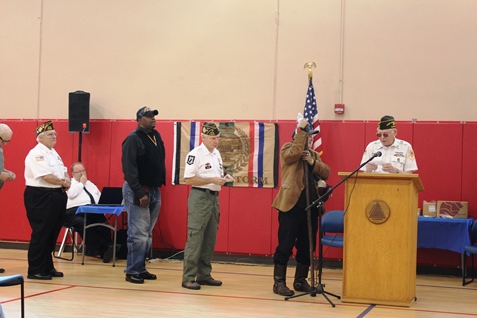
208 191
44 189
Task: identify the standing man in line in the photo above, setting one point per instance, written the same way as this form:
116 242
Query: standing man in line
143 161
5 175
397 155
45 199
204 172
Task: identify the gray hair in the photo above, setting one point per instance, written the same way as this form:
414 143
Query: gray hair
39 135
5 128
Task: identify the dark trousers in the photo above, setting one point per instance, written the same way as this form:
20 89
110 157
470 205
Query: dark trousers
293 232
98 238
45 209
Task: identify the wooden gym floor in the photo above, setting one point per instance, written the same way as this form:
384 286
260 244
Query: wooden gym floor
99 290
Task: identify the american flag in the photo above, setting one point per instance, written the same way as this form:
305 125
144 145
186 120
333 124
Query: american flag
310 113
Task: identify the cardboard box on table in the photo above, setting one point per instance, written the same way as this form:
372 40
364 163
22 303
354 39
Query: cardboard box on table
452 209
429 209
380 238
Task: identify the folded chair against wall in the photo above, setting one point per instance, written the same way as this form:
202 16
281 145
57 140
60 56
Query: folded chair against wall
72 236
12 281
472 250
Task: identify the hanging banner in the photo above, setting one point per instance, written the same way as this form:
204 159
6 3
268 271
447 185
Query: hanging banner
249 151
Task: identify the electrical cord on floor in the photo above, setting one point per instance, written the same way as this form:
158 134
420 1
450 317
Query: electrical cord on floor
167 259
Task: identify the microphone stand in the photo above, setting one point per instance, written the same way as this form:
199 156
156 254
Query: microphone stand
320 288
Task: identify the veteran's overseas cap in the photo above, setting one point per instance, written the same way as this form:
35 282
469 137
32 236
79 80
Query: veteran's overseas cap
210 129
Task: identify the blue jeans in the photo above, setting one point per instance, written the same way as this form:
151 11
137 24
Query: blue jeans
141 222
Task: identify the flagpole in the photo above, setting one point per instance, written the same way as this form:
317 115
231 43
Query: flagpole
309 65
312 291
316 287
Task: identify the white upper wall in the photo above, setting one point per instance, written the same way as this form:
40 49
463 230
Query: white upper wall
239 59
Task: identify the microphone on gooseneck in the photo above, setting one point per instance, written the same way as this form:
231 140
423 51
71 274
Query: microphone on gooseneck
377 154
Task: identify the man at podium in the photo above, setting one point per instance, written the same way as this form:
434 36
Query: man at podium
396 155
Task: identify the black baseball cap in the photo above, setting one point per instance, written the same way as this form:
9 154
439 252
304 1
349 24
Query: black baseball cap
146 111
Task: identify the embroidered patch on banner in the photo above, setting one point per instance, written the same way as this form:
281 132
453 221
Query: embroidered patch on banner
190 160
40 158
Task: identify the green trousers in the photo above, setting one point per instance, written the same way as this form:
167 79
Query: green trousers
203 222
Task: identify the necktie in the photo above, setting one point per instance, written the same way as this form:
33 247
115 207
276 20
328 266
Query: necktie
90 196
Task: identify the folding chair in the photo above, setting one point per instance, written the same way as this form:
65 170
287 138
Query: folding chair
472 250
72 236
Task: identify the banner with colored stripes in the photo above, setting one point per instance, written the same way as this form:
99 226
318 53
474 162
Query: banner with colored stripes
249 151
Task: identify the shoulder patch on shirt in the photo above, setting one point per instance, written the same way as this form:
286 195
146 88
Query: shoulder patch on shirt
190 160
40 158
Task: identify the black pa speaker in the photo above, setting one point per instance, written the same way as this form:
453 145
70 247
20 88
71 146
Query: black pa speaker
78 112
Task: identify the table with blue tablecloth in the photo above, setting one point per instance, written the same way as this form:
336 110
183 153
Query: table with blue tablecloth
101 209
444 233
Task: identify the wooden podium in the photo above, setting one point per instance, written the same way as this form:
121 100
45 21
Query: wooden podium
380 245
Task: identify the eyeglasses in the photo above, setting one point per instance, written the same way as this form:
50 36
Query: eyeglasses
3 140
51 134
382 134
81 171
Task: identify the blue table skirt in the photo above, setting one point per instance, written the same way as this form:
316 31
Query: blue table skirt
447 234
100 209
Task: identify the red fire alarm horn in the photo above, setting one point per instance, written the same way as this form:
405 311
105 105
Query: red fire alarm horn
339 109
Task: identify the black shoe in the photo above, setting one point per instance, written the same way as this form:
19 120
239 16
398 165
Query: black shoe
108 254
210 282
191 285
134 278
147 275
2 270
55 273
39 276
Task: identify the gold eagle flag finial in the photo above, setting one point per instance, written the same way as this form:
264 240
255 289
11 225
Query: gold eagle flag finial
309 65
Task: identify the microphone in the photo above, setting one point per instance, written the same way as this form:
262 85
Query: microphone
377 154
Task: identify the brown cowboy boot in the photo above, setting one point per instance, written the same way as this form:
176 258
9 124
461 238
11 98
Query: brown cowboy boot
301 274
279 278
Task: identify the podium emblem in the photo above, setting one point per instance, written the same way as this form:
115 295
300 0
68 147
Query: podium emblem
377 211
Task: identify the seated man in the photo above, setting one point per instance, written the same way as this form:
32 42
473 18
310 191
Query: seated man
83 192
